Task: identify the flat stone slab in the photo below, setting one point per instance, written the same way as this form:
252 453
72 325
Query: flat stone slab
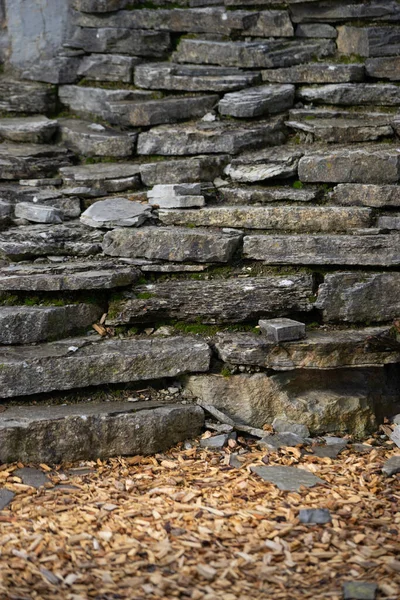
76 363
215 301
107 67
29 324
27 161
6 496
24 242
35 130
184 170
279 218
316 73
384 67
192 78
359 590
360 250
26 97
99 6
89 275
368 41
121 40
288 479
281 425
341 130
395 435
314 516
38 213
360 297
165 110
210 138
282 330
87 431
104 177
93 139
32 477
242 195
280 440
348 94
251 167
327 11
257 54
216 442
116 212
392 466
257 101
186 195
358 194
369 164
171 244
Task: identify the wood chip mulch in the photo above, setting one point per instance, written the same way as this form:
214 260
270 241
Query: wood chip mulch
186 525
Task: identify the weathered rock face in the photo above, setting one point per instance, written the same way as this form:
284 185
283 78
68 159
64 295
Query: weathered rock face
177 244
93 139
333 401
254 102
357 194
81 432
316 73
106 178
251 167
26 97
107 67
348 94
115 212
368 41
229 301
185 170
27 161
36 130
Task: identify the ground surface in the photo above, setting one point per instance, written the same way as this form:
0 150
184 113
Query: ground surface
187 525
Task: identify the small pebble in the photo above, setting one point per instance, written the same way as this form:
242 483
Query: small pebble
316 516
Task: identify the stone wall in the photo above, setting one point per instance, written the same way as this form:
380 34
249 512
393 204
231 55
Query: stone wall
187 169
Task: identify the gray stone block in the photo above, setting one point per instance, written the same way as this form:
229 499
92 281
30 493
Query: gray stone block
38 213
36 130
104 177
316 73
216 137
282 330
32 477
275 53
327 11
108 67
359 590
278 218
280 440
360 297
368 41
316 30
360 250
348 94
283 426
110 40
78 362
185 195
385 67
93 139
369 127
29 324
99 6
26 161
368 164
241 196
115 212
271 23
90 431
26 97
193 169
289 479
215 301
251 167
58 70
171 244
358 194
190 78
317 516
391 466
389 222
258 101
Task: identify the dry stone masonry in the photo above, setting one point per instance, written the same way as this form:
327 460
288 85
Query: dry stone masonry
174 173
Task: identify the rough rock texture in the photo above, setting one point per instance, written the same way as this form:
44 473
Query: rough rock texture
250 167
26 97
85 432
35 130
93 139
357 194
38 213
385 67
120 40
218 301
361 250
320 350
177 244
368 41
290 479
107 67
185 170
105 177
335 400
115 212
74 363
27 161
254 102
359 297
348 94
236 195
28 324
342 130
316 73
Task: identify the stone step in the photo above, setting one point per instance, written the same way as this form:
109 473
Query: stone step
175 244
88 101
252 55
257 101
384 67
165 110
30 324
103 178
360 297
89 431
340 130
185 170
316 73
211 138
108 67
28 241
358 194
189 20
34 130
121 40
251 167
27 161
248 195
365 164
26 97
348 94
192 78
215 301
321 349
326 11
300 219
357 250
83 362
368 41
92 139
70 206
75 275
